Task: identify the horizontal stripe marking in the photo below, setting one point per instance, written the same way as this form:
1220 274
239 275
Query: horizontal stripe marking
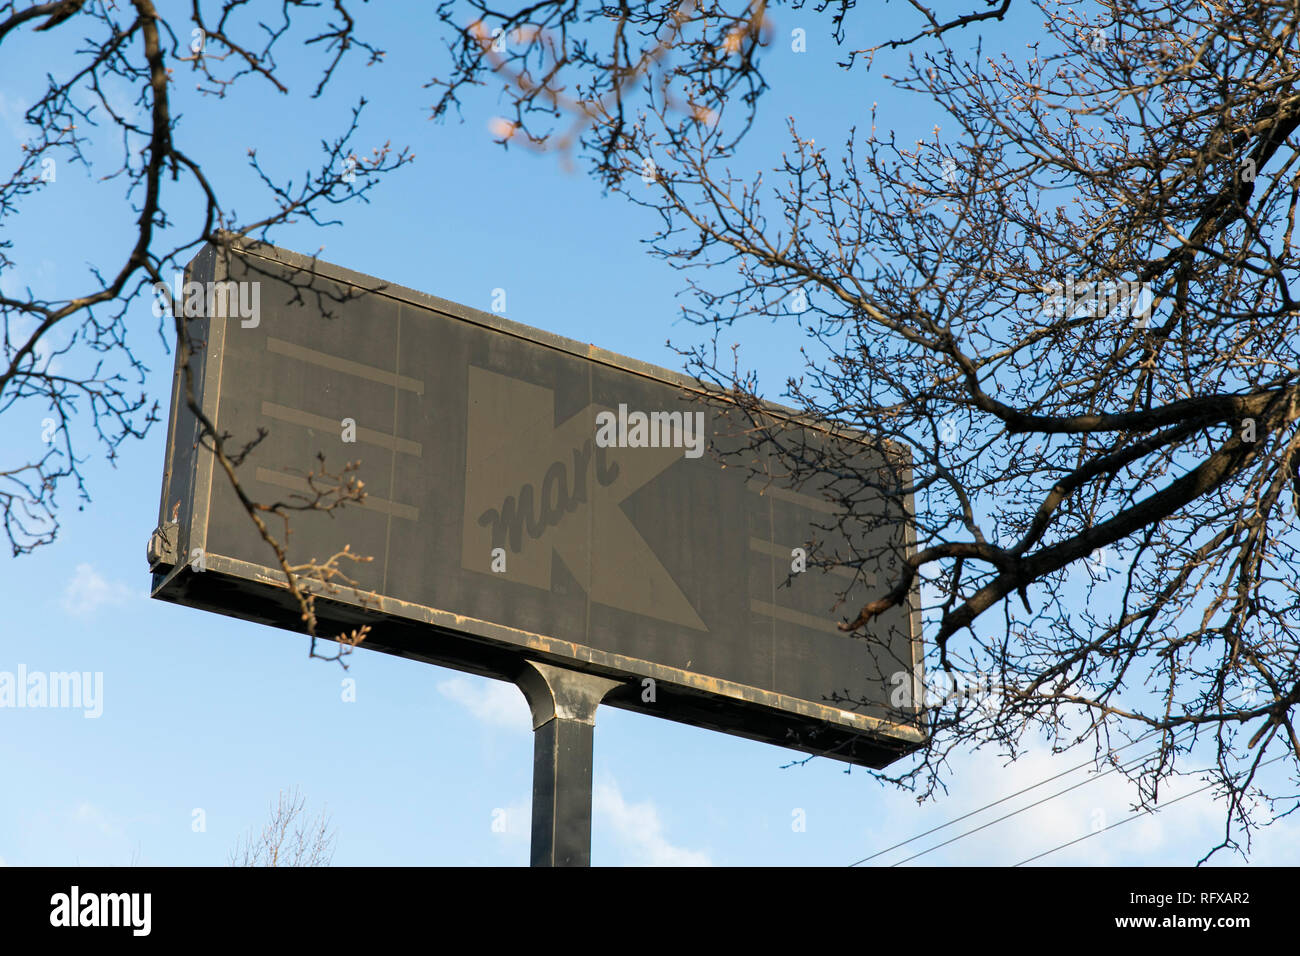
347 366
296 483
794 497
796 617
777 551
368 435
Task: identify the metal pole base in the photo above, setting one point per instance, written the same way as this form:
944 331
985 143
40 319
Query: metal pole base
564 705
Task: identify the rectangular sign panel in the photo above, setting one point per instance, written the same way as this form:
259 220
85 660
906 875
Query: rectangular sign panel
531 497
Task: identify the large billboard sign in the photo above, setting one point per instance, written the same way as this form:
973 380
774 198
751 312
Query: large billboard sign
531 498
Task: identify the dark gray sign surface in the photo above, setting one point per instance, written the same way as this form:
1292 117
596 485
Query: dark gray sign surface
528 497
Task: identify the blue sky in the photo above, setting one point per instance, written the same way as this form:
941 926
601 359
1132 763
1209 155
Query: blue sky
204 713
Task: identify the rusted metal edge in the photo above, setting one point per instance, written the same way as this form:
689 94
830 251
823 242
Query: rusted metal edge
619 664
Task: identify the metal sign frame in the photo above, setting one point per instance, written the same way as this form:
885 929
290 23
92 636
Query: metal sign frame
256 592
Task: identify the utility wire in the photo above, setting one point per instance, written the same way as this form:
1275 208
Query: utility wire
1010 796
1030 806
1141 813
987 806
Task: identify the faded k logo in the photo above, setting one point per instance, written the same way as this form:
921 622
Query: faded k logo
538 489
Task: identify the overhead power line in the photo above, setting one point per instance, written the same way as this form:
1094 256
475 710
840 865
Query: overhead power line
1009 796
985 826
1132 817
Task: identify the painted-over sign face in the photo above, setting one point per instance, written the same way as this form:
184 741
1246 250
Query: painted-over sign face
530 497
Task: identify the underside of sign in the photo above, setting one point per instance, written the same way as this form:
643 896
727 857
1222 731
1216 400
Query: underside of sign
530 498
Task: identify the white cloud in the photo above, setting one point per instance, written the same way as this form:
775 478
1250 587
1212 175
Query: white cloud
636 828
494 702
12 112
88 591
90 815
639 830
1177 834
1273 845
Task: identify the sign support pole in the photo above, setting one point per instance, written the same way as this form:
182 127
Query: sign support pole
563 704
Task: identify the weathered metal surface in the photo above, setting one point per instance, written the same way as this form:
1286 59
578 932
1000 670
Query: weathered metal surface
563 703
665 568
